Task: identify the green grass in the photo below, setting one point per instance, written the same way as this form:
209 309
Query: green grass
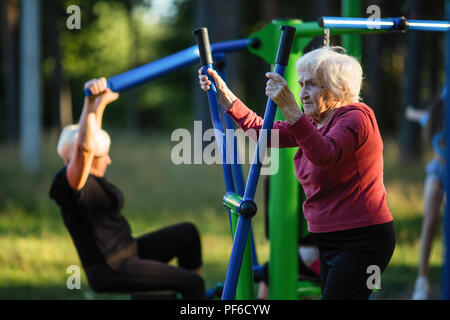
35 248
404 186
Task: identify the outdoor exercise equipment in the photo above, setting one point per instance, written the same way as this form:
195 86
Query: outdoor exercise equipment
399 24
284 203
158 68
244 206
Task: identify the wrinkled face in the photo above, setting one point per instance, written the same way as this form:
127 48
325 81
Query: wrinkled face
99 164
311 95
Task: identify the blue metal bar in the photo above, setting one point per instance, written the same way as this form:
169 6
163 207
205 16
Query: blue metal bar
398 23
219 132
263 140
239 185
220 58
446 268
158 68
237 253
429 25
238 176
360 23
243 224
233 45
236 167
221 71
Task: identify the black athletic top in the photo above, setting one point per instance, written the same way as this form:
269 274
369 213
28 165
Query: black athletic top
92 216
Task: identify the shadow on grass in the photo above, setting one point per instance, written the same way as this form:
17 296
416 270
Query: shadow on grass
54 292
213 273
408 228
397 282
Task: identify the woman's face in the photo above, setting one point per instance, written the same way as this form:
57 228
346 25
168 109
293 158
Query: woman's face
100 164
311 95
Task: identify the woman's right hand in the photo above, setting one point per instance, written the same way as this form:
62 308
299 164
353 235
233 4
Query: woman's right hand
100 94
225 97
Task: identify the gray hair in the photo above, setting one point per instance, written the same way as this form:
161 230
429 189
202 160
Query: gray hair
339 73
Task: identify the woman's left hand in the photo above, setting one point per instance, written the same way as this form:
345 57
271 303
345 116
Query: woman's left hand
278 90
100 94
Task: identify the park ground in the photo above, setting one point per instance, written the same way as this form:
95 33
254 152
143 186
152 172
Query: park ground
35 247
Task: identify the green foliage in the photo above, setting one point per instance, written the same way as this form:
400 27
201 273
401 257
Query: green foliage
102 47
117 36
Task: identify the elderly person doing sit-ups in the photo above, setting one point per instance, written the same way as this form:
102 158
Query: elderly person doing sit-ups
339 163
91 207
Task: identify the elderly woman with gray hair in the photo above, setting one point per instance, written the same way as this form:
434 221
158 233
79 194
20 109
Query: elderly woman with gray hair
339 163
113 260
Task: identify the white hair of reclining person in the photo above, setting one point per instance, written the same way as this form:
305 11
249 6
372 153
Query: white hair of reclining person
68 140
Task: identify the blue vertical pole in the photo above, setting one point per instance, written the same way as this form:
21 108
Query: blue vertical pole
206 60
220 68
446 269
243 224
246 285
238 177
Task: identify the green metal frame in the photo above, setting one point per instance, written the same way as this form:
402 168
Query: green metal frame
286 198
351 42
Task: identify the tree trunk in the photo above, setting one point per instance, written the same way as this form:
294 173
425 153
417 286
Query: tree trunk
53 9
222 18
65 104
410 131
371 57
30 85
9 20
373 72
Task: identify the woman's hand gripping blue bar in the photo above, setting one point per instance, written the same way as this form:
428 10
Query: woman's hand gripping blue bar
140 75
243 224
206 60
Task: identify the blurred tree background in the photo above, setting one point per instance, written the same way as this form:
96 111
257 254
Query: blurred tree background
116 36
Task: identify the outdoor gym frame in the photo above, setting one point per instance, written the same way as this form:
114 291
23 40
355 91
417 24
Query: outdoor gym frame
239 200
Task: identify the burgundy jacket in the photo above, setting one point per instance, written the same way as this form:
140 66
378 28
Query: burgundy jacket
340 166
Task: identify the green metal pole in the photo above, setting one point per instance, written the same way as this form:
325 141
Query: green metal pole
244 289
283 216
351 42
283 205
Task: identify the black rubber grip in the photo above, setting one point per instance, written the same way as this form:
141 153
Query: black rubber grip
284 48
203 46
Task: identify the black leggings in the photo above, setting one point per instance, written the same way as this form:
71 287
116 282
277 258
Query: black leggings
345 258
149 271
